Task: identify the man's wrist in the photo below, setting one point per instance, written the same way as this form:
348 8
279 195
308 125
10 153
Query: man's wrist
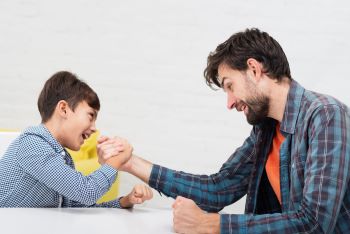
210 223
129 165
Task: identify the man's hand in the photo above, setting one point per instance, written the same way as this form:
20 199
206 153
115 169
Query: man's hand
113 151
138 195
189 218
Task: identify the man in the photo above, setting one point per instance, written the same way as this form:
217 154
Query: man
294 166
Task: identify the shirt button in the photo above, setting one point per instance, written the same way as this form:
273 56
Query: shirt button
63 153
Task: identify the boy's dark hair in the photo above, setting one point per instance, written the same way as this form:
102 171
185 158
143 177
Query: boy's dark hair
66 86
252 43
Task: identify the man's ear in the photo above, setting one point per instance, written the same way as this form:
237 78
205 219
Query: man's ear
62 108
256 68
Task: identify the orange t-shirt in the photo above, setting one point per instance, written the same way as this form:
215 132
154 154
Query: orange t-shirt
273 163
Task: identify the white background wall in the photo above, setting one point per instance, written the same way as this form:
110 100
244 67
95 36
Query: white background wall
145 59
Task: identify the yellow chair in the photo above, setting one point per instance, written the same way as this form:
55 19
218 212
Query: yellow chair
85 161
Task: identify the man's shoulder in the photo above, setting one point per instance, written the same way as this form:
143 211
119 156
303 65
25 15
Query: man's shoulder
314 100
318 105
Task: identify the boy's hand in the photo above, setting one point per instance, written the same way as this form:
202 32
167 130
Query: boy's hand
114 151
138 195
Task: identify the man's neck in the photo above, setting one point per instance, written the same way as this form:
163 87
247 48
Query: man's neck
278 98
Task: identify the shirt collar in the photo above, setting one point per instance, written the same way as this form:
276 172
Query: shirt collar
44 133
292 107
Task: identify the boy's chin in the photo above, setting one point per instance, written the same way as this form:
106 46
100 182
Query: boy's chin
74 148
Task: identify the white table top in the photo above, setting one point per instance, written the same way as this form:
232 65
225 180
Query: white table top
85 220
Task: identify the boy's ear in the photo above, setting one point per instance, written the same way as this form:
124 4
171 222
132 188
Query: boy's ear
62 108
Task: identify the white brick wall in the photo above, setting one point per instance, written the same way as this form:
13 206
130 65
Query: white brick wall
146 59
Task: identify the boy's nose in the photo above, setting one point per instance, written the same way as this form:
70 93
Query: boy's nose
93 127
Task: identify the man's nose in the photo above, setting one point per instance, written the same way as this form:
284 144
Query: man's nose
231 101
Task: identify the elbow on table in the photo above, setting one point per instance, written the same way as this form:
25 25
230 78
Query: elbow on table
88 196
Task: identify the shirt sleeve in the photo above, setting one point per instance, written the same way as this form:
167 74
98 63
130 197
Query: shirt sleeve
110 204
325 183
212 193
37 158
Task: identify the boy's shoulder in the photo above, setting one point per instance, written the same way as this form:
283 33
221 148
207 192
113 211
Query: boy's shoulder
39 136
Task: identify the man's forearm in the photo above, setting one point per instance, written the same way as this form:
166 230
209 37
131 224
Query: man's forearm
140 168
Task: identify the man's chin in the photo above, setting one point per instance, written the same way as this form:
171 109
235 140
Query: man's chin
255 121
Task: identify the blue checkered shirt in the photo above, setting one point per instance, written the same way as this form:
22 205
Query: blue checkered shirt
314 173
36 171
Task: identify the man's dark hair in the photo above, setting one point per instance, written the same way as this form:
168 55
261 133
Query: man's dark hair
66 86
252 43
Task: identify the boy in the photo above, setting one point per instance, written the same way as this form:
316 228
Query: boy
37 171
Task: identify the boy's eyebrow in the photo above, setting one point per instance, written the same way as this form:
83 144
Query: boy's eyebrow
94 114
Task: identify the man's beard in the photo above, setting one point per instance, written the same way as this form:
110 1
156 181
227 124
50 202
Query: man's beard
257 103
258 109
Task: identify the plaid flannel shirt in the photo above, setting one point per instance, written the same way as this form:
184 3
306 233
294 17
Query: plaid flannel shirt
314 173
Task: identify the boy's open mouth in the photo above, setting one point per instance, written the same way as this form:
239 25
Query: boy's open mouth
85 136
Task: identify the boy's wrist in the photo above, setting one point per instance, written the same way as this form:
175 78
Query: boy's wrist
113 162
124 202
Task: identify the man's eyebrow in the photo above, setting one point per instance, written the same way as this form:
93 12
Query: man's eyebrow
222 82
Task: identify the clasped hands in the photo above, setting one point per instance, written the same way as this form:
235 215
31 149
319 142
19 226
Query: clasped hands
114 151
